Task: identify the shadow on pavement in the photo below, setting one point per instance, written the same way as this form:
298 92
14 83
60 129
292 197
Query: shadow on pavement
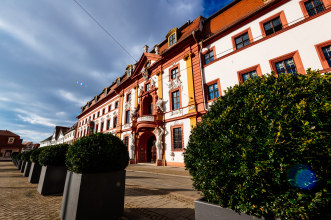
158 213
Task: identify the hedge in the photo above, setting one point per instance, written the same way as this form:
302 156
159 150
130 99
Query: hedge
97 153
34 157
14 155
53 155
255 142
26 155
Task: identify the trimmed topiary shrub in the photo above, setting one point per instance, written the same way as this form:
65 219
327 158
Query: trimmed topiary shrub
53 155
264 147
26 155
21 156
97 153
34 157
14 155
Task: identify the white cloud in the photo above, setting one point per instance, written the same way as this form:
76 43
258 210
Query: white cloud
33 118
60 114
4 99
34 136
71 97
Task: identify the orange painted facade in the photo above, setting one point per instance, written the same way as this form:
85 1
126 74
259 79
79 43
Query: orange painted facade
153 118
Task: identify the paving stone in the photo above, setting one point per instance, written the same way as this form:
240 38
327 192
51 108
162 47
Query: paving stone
20 199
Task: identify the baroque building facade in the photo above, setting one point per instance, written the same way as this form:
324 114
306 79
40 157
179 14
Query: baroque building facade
155 104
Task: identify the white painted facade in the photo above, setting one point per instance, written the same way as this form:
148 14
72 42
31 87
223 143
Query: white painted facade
299 34
301 38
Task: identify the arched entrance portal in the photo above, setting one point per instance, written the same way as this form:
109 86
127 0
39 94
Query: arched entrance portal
146 148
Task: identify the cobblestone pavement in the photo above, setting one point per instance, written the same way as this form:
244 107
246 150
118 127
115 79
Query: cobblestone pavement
19 199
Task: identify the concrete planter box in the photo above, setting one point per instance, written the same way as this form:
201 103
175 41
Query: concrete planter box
22 167
27 169
52 179
34 173
205 210
93 196
19 164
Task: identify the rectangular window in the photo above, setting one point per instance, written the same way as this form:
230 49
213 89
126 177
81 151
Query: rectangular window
213 91
174 73
108 124
147 87
116 104
127 117
286 66
101 126
242 40
103 111
175 100
272 26
126 141
172 39
177 138
249 75
109 108
115 122
314 7
327 54
128 97
98 114
96 128
209 57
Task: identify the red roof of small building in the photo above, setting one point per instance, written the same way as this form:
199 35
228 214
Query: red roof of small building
7 133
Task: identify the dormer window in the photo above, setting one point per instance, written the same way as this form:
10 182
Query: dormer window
11 140
118 80
172 36
172 39
129 70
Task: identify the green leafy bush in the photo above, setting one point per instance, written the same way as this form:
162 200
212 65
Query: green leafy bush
240 154
26 155
53 155
14 155
21 156
34 157
97 153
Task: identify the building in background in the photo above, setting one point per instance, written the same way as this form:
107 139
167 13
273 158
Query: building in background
69 136
9 143
56 138
29 146
158 100
46 142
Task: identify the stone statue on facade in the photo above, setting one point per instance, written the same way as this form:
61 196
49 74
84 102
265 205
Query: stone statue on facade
159 104
133 113
132 145
159 131
175 83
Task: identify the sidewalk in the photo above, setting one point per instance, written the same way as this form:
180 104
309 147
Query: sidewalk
20 199
180 171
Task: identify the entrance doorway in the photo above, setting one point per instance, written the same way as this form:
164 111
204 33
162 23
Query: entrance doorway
151 150
147 150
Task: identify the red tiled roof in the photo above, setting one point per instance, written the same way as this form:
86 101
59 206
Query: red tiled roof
7 133
184 32
230 14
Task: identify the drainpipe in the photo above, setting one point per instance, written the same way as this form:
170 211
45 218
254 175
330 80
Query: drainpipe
202 78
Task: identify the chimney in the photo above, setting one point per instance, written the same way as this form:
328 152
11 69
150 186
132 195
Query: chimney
156 49
146 49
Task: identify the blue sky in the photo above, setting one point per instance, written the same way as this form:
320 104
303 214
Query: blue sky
54 58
